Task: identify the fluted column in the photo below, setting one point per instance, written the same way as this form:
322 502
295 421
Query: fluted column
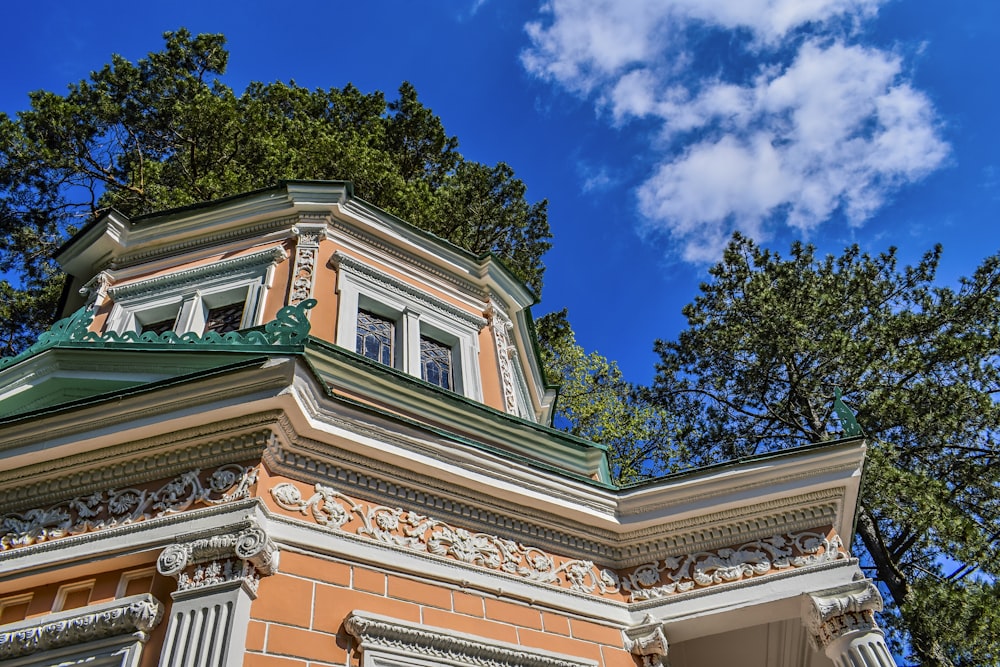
217 579
841 623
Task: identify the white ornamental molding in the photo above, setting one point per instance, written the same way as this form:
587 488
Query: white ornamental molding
106 509
832 614
406 529
220 559
406 291
135 615
306 254
391 637
197 275
679 574
501 325
647 642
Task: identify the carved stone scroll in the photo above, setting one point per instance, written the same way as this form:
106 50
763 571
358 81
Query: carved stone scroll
406 529
220 559
115 507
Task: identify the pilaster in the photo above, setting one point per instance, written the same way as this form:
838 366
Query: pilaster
217 579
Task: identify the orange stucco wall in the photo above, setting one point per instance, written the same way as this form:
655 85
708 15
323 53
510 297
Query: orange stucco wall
298 617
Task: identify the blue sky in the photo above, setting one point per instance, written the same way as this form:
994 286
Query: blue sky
654 128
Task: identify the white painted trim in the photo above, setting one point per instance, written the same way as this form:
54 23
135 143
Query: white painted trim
391 642
416 313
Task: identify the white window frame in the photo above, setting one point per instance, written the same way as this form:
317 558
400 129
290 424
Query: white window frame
391 642
189 294
415 313
100 635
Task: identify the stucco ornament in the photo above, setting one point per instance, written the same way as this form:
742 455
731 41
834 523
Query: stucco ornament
679 574
832 614
306 253
410 530
106 509
244 556
398 527
138 614
647 641
500 326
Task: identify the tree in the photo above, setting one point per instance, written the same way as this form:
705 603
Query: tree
166 131
768 341
597 403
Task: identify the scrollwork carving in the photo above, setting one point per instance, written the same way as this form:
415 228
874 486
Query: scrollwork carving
306 253
679 574
114 507
218 559
410 530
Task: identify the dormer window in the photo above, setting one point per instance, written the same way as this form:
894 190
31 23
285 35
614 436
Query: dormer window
219 297
390 321
435 363
376 337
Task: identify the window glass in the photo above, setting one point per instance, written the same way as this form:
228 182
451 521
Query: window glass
435 362
224 318
158 327
375 337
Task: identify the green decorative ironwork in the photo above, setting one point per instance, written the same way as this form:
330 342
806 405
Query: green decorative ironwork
847 419
289 328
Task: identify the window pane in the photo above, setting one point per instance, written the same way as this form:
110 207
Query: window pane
158 327
224 318
435 362
375 337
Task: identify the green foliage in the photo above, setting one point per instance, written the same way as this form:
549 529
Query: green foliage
166 131
596 403
770 338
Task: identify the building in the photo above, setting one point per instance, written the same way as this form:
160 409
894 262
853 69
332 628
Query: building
287 429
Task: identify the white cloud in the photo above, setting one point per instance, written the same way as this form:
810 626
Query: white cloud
807 124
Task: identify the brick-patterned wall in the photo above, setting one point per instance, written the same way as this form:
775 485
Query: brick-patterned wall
297 619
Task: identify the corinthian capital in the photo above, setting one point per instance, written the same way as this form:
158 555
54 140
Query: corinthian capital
833 613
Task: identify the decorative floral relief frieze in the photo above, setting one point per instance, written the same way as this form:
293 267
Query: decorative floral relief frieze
114 507
410 530
403 528
679 574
